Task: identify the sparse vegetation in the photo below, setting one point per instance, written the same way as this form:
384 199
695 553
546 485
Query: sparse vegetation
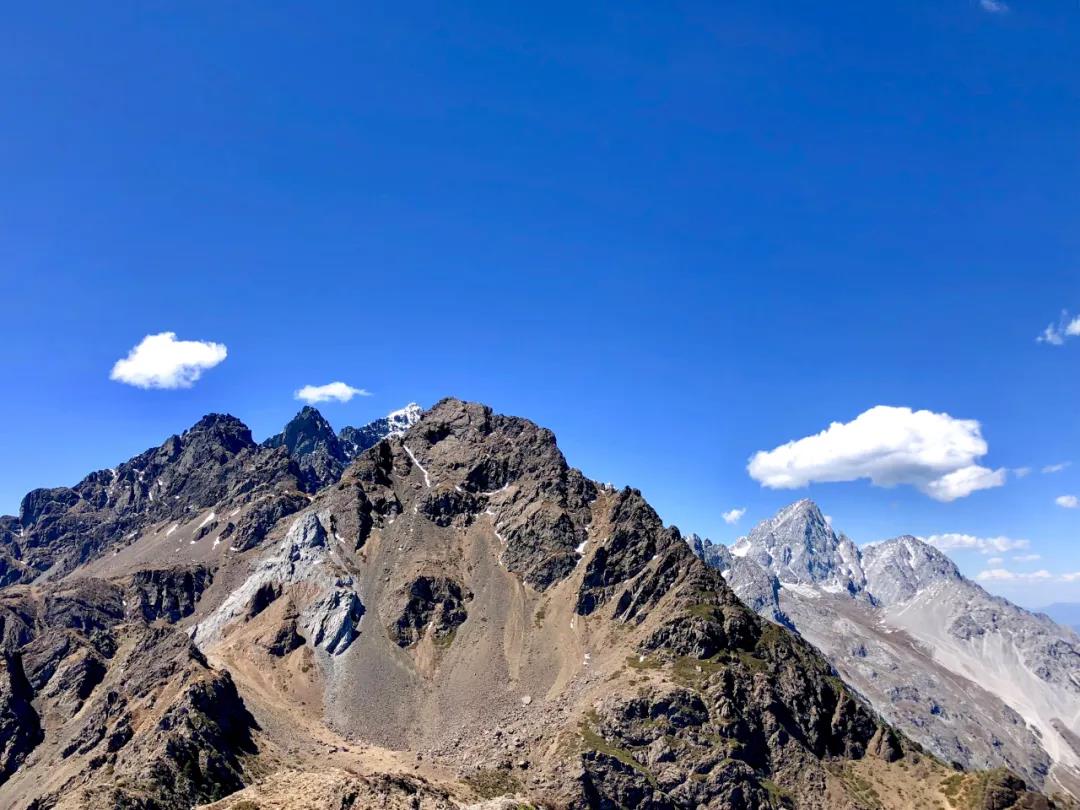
489 783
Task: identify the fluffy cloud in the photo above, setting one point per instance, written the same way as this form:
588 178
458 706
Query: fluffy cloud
889 446
1067 501
993 6
1056 333
1072 577
162 361
1055 468
1022 558
732 516
1004 575
995 561
337 391
984 545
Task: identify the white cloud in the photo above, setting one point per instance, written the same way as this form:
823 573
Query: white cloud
733 516
1072 577
1021 472
1055 334
338 391
1022 558
1067 501
1004 575
995 561
994 6
1055 468
889 446
162 361
983 545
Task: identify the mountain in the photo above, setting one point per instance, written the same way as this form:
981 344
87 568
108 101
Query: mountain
355 441
974 678
321 455
460 617
1064 613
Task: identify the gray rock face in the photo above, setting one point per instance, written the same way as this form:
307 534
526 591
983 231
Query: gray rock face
799 546
899 569
976 679
331 616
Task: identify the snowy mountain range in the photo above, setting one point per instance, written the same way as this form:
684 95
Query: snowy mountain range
978 680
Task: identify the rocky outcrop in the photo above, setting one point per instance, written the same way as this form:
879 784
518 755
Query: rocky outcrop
169 594
127 714
20 727
331 614
433 605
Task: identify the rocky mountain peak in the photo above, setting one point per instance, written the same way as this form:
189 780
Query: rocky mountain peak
221 429
306 433
898 569
800 547
355 440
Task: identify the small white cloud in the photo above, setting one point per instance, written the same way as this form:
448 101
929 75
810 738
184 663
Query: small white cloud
162 361
337 391
1055 334
995 561
1021 558
1067 501
731 517
890 446
1071 577
828 520
983 545
1021 472
1055 468
994 6
1004 575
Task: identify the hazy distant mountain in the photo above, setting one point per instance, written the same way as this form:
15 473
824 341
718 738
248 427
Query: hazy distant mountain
1066 613
977 679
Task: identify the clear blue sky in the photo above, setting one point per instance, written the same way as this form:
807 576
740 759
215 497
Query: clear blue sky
676 234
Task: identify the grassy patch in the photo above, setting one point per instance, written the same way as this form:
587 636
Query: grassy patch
490 783
643 662
690 671
591 740
445 640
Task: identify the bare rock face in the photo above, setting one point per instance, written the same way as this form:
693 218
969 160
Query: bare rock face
430 604
168 594
20 727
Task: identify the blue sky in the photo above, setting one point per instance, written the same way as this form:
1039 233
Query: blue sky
676 235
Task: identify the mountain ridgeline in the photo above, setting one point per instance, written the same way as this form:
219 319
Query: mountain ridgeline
432 611
976 679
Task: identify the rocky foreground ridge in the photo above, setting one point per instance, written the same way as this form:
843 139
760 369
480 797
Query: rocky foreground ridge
453 617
